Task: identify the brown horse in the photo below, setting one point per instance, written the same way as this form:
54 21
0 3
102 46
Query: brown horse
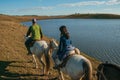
106 71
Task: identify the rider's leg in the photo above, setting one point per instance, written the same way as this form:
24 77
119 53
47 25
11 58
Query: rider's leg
27 44
58 56
54 59
62 55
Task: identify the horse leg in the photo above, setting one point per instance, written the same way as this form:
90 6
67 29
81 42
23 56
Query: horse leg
43 64
47 61
60 75
34 61
87 70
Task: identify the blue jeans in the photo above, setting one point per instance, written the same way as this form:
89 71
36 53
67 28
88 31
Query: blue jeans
27 43
61 55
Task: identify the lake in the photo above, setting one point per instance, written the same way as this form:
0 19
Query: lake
98 38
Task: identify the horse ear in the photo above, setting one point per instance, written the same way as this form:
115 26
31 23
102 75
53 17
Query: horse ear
49 41
52 39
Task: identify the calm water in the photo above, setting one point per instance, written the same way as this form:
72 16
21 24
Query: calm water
99 38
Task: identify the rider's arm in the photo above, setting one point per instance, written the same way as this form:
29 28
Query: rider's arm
60 46
70 42
28 32
41 33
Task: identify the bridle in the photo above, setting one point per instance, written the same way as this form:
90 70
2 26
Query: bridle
100 73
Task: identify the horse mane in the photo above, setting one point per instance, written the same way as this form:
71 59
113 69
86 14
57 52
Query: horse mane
108 71
109 65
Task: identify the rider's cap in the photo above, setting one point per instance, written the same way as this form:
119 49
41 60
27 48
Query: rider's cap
34 20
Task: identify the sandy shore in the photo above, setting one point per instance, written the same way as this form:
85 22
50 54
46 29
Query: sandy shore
14 63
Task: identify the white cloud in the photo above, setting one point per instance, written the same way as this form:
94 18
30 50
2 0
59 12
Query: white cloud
113 2
88 3
108 9
37 8
43 8
85 3
32 9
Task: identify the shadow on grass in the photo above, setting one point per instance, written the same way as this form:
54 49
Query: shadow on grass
7 75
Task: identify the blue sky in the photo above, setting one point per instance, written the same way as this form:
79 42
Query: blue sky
58 7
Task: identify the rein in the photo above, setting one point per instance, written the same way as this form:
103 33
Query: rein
63 64
101 74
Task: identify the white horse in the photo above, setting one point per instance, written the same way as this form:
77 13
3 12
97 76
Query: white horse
39 49
77 66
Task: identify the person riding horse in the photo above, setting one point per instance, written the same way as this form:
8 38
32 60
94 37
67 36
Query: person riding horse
65 44
36 34
76 66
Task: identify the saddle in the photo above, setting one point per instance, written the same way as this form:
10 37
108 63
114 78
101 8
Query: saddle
68 55
32 43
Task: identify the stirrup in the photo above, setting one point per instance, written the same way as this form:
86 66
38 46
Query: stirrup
56 67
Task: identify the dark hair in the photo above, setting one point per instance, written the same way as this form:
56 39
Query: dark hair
61 28
67 35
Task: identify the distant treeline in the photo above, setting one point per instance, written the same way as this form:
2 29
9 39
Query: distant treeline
94 16
76 15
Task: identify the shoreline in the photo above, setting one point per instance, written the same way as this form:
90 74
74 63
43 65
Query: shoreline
14 54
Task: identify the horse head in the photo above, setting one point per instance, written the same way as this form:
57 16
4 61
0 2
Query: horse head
54 47
53 44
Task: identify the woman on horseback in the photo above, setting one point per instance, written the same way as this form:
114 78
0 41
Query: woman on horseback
65 43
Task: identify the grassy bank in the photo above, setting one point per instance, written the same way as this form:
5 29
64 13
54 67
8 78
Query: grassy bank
14 63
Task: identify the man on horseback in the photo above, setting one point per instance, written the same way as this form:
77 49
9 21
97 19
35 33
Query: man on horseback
36 34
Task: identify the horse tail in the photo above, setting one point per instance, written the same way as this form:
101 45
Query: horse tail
47 60
88 70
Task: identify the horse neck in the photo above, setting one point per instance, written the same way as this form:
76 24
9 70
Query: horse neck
56 50
55 46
